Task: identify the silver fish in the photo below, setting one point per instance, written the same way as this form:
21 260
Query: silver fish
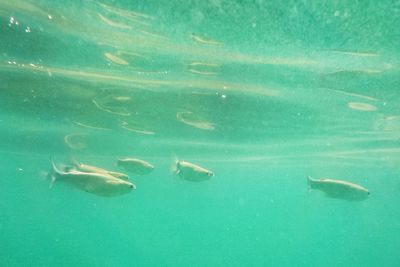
88 168
339 189
95 183
192 172
135 166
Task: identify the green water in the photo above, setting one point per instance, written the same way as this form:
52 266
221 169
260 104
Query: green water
263 93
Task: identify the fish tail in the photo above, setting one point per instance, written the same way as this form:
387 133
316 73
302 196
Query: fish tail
117 163
53 165
48 176
311 181
53 180
53 174
174 165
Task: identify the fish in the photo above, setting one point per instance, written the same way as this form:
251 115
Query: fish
88 168
339 189
136 166
95 183
191 172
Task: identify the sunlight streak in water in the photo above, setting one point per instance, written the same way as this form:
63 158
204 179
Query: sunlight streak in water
145 78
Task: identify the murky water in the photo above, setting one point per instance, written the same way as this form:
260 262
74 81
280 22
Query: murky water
263 94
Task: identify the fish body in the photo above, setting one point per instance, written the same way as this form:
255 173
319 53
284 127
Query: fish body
93 169
96 183
339 189
135 166
192 172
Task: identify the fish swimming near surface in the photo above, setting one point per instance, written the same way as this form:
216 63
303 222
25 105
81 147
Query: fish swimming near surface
339 189
96 183
191 172
135 166
88 168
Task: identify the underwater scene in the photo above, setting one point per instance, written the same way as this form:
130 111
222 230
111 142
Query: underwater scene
199 133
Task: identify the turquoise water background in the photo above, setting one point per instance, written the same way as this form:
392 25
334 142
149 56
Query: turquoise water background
263 93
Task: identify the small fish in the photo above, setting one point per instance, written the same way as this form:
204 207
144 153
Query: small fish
88 168
136 166
339 189
96 183
192 172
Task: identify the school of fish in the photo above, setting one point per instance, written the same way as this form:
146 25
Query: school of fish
106 183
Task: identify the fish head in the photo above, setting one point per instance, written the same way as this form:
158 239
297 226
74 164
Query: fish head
210 174
121 186
127 186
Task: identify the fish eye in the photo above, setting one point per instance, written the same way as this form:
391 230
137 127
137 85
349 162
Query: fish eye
210 174
131 186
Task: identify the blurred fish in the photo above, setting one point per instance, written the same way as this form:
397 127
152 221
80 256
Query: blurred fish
136 166
339 189
191 172
99 184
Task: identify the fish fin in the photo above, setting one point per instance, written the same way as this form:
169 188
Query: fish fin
55 169
174 168
312 183
88 188
53 180
118 162
54 172
309 180
48 176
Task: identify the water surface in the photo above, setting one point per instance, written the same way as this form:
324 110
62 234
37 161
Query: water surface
261 93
